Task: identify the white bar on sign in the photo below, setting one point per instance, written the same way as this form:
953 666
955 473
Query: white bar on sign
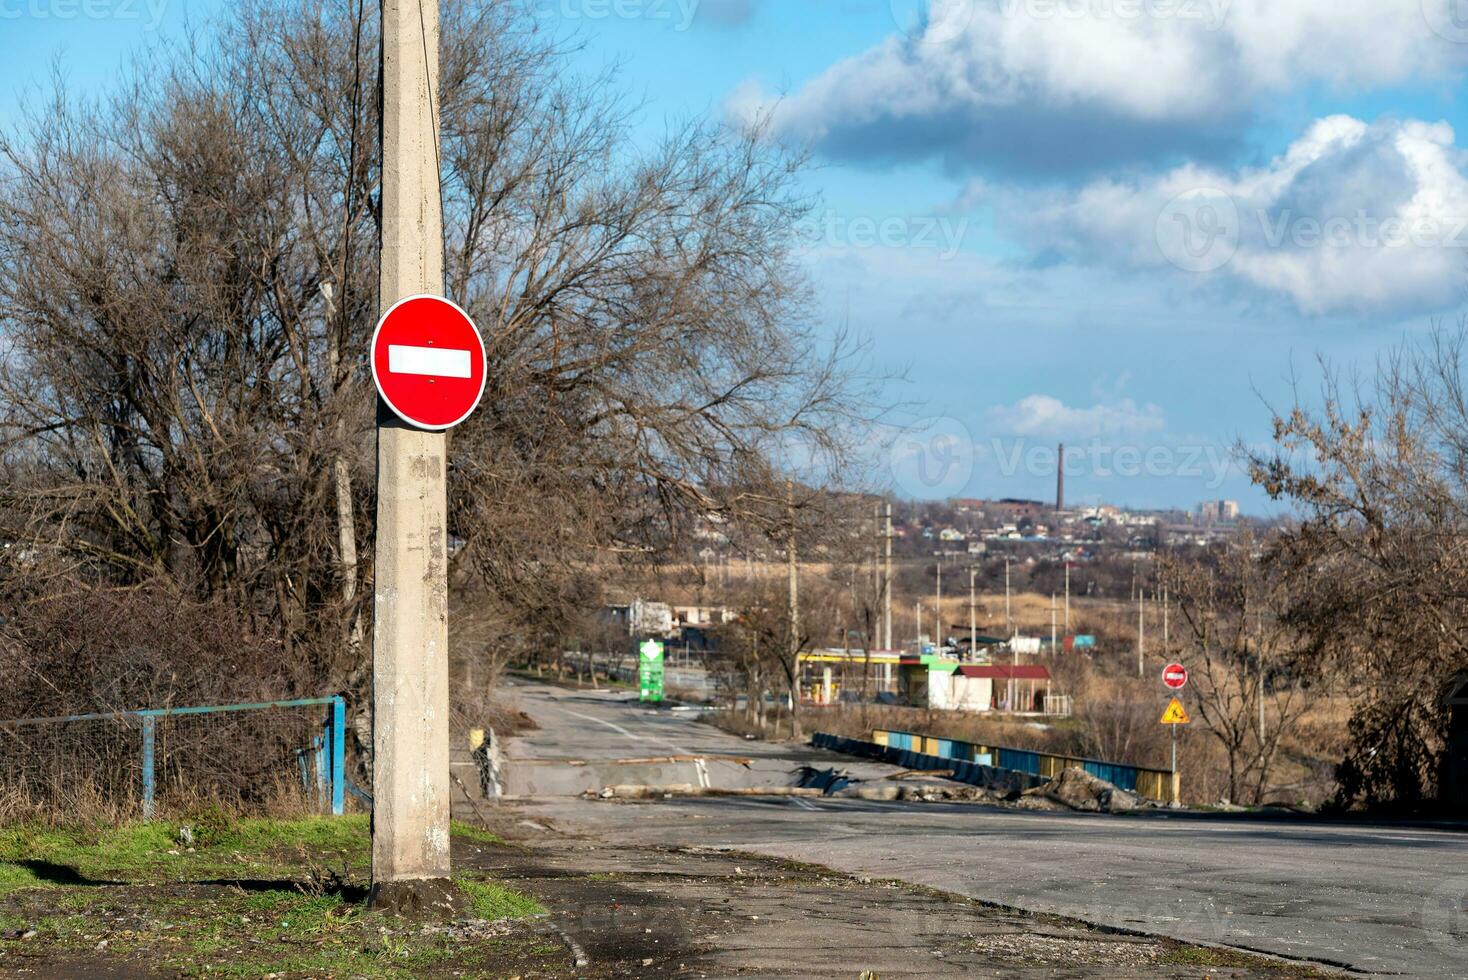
436 362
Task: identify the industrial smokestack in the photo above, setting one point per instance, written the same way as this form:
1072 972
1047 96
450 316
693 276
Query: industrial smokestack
1060 480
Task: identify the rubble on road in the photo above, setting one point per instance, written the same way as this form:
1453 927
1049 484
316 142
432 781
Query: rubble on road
828 781
1077 789
1074 789
928 792
643 792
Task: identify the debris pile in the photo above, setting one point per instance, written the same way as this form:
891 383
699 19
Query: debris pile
1077 789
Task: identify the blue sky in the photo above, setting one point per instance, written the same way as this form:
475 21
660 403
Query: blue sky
1121 224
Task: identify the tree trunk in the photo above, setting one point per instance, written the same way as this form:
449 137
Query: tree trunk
794 706
793 669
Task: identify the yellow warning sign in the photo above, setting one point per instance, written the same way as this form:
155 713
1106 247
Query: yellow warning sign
1176 714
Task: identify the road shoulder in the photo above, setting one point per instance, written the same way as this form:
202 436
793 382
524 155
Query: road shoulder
693 911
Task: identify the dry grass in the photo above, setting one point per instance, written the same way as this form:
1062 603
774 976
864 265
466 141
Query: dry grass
92 804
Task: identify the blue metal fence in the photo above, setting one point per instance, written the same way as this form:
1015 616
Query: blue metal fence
1153 783
321 762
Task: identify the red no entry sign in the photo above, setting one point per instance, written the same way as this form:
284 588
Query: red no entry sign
428 362
1175 676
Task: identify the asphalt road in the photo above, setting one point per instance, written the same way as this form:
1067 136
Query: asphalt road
1378 898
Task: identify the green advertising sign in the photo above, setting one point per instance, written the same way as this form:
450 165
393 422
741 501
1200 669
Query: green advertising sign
650 671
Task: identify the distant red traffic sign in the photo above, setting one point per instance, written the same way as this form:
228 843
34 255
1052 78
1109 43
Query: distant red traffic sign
428 362
1175 676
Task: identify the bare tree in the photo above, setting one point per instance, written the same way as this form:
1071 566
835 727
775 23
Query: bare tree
1379 474
186 297
1245 673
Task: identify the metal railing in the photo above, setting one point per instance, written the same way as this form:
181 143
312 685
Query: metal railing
1156 784
320 761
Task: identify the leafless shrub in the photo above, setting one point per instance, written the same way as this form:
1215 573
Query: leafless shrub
93 649
1379 474
187 290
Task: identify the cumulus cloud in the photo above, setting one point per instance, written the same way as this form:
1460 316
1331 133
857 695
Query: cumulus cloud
1044 416
1351 219
1055 86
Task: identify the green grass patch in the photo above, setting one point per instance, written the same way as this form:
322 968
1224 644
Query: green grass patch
38 857
349 836
302 916
242 898
1192 956
493 901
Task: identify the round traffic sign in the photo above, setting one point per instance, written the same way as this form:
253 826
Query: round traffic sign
1175 676
428 362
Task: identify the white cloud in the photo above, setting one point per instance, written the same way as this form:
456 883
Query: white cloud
1352 218
1049 417
1040 86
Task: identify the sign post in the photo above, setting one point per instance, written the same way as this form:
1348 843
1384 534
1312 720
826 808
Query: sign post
1174 716
429 370
650 671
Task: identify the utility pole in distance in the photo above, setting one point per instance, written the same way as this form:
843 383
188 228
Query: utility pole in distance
938 606
973 631
1067 596
1141 632
887 584
410 696
1052 625
1008 611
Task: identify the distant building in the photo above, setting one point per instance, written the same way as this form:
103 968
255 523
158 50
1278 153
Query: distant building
1016 510
946 685
1008 510
643 618
1218 511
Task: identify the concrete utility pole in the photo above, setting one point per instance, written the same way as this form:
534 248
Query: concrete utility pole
1166 638
410 639
887 587
938 605
1013 680
1067 598
1052 625
876 575
973 630
1141 632
1008 613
